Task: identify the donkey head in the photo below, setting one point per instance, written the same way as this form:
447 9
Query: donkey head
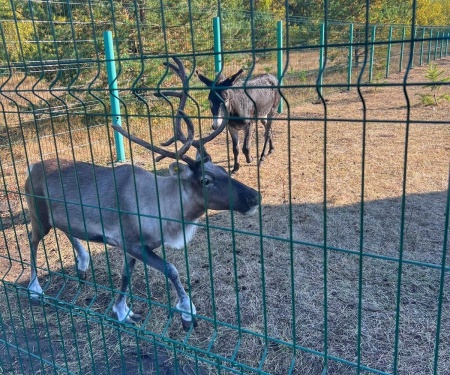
220 95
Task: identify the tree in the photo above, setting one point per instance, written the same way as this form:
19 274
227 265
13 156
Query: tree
13 33
433 12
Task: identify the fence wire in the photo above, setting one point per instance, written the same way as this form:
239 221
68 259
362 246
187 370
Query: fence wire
344 268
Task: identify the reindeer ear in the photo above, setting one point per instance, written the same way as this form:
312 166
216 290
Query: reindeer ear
202 156
178 169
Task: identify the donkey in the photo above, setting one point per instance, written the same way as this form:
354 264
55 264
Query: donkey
130 208
246 101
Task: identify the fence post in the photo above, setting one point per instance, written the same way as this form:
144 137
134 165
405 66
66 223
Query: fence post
446 44
372 53
429 47
113 93
402 48
442 45
436 46
388 55
321 58
280 59
350 57
217 45
421 47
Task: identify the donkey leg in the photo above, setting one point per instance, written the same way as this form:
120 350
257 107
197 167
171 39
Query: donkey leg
184 304
267 139
270 136
124 313
248 142
235 139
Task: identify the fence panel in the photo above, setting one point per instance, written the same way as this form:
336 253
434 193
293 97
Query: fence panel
342 270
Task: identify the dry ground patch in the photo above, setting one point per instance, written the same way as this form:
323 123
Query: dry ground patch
291 275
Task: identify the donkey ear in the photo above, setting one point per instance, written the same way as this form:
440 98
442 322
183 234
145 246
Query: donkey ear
235 76
204 79
231 79
221 78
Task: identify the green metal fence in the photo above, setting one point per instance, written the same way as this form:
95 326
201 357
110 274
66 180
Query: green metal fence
343 270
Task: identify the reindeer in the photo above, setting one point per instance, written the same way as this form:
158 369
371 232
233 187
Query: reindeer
246 102
130 208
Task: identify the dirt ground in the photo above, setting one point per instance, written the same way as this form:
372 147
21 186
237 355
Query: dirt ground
348 250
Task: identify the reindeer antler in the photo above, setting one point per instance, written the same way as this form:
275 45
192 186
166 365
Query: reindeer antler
181 154
188 141
180 71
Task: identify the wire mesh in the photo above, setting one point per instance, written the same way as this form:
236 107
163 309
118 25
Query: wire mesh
343 270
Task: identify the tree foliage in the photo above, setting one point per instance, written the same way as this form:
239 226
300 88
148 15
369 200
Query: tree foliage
433 12
37 31
14 29
429 12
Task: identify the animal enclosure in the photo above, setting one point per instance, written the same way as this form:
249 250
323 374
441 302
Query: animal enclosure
344 268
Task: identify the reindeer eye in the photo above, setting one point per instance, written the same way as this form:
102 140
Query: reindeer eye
206 181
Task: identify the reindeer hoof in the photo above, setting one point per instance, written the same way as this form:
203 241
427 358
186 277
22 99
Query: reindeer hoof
82 275
136 317
35 300
133 318
187 324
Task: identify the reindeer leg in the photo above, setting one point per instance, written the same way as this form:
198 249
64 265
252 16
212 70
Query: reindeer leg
34 287
235 139
184 303
82 256
124 314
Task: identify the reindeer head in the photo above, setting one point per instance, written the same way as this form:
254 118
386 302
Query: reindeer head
220 192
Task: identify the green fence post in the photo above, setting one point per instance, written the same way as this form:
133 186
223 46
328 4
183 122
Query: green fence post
402 48
446 45
280 58
350 57
429 47
372 53
388 54
436 46
442 46
217 45
113 93
421 47
321 57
